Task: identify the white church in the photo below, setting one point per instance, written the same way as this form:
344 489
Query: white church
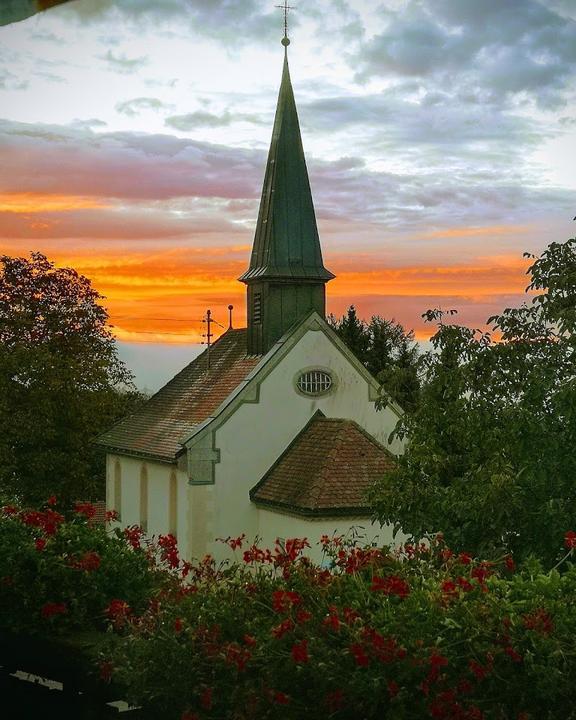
274 431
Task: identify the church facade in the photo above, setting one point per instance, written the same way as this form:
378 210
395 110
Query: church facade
274 432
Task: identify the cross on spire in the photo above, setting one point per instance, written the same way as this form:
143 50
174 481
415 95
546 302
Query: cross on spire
286 8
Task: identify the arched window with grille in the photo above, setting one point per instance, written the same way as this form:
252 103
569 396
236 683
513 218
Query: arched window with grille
314 382
118 488
144 498
173 505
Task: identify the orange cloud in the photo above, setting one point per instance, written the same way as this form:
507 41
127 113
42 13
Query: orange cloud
29 202
161 295
476 231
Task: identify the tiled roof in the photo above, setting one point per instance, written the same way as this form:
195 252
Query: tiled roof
156 429
327 470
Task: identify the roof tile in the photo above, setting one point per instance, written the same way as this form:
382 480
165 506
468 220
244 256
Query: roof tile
192 396
327 470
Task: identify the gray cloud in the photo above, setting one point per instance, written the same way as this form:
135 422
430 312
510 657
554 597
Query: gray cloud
137 105
503 48
230 21
153 168
205 119
137 166
122 64
433 119
9 81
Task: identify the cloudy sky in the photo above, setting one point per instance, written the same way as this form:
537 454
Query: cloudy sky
440 137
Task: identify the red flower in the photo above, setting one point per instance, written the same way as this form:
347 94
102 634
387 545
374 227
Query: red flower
86 509
285 626
390 585
236 655
449 588
478 670
570 540
206 699
303 616
332 620
40 544
284 600
393 688
234 543
465 584
51 609
465 559
48 521
133 535
250 640
106 669
280 698
111 516
540 621
350 615
51 500
446 554
118 611
169 550
359 655
10 510
334 700
437 660
481 573
90 561
509 562
178 625
300 652
512 654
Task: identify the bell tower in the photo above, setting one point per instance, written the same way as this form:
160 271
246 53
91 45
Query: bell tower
286 278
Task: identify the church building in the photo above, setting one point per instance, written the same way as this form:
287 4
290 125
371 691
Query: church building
274 431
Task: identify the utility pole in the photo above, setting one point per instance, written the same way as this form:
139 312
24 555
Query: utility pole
208 335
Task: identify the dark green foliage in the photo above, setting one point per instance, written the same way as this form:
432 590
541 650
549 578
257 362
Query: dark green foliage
415 635
61 381
490 458
76 565
388 352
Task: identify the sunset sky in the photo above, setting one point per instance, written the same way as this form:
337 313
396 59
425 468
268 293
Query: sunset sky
440 137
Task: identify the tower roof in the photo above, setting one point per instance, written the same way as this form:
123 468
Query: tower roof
286 242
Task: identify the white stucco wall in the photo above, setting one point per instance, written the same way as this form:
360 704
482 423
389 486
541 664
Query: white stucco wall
273 525
158 496
256 434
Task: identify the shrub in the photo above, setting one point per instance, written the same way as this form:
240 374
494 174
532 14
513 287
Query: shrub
58 576
417 633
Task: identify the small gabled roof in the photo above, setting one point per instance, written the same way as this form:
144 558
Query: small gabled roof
327 470
156 429
286 242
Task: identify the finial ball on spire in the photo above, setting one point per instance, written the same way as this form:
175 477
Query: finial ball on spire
285 41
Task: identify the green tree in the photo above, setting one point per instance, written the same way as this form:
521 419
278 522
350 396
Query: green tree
389 352
490 457
61 381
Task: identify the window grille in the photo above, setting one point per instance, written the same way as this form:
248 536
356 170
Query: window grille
257 308
314 382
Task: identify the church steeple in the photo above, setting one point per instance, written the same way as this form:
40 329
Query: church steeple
286 278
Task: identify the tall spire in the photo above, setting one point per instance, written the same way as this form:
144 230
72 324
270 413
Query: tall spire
286 257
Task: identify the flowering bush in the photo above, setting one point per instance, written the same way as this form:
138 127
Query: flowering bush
59 575
417 633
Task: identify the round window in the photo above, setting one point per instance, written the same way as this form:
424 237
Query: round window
314 382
